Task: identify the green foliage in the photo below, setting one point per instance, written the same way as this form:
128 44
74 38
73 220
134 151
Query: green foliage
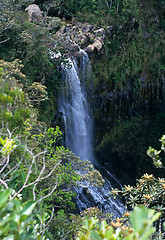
39 169
129 140
100 12
29 150
32 163
127 55
69 227
148 191
133 50
22 219
29 42
123 131
13 108
141 220
6 15
54 24
155 155
17 220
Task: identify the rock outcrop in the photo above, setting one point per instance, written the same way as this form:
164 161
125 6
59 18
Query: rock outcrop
83 35
35 13
71 35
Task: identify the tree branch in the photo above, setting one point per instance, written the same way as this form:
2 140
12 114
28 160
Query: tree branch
4 183
5 40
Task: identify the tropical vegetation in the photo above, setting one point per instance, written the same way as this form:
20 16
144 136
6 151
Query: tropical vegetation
37 173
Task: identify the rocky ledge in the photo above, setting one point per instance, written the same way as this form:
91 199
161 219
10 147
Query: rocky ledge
73 35
83 35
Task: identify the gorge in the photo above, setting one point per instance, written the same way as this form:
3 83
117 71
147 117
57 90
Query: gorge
88 76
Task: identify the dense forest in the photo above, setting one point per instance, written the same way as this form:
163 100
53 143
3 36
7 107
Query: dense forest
115 48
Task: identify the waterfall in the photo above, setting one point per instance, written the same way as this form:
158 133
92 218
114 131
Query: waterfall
74 106
79 132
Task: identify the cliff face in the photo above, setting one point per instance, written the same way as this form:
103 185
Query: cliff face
129 92
128 89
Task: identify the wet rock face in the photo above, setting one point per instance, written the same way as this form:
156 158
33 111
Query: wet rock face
35 13
83 35
120 148
118 105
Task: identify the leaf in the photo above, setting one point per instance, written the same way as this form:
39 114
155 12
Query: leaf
39 217
4 196
142 220
147 233
103 225
2 141
156 216
137 218
164 226
28 208
95 236
9 238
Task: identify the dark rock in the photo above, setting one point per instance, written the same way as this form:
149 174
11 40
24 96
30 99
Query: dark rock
82 34
109 95
87 28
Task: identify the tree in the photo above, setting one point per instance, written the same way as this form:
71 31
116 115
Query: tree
17 220
15 133
141 220
32 163
6 14
148 191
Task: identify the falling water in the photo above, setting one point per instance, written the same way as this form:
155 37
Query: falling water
79 132
74 106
